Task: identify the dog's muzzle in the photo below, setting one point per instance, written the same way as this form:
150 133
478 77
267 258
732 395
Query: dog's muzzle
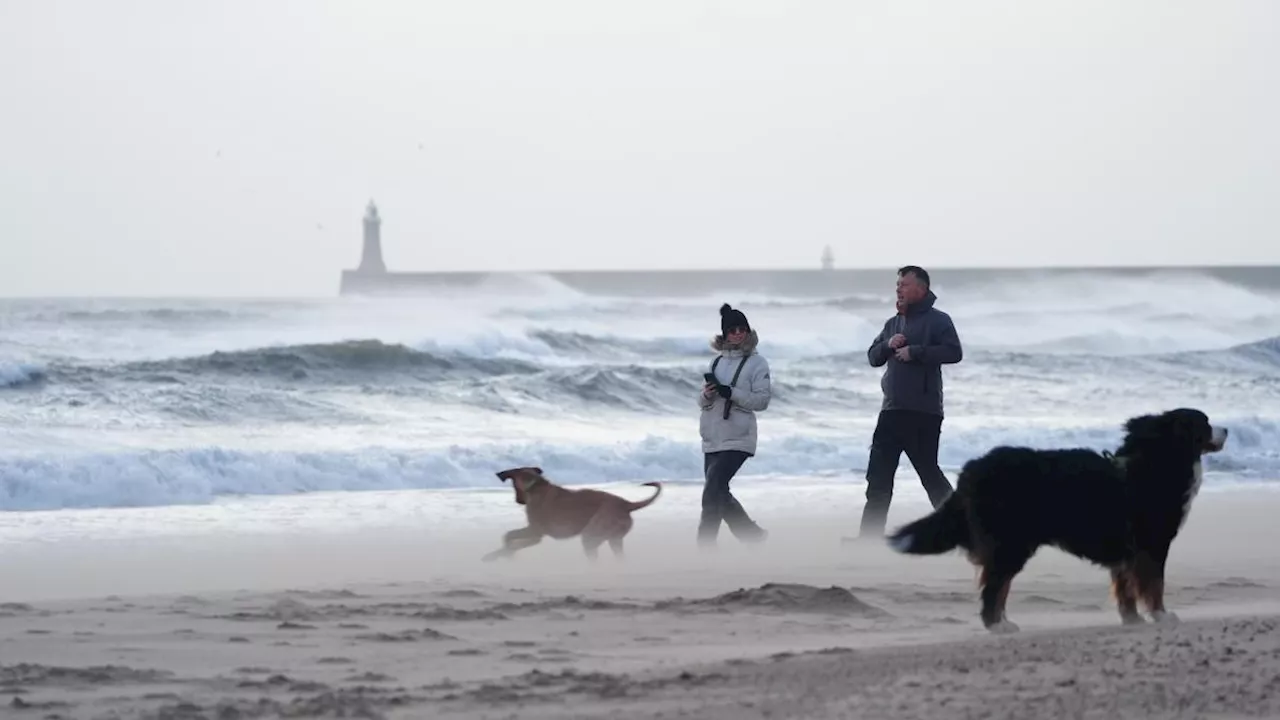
1217 439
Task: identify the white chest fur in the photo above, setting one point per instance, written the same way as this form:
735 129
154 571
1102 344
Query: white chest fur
1197 478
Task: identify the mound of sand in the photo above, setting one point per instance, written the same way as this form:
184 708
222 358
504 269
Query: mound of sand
784 597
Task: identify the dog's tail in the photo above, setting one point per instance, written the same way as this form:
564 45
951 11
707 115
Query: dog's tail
940 531
647 501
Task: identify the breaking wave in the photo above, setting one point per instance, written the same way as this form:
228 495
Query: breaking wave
202 475
16 374
362 360
349 361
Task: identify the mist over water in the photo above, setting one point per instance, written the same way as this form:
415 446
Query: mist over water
151 402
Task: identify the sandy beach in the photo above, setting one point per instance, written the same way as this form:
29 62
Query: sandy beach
402 621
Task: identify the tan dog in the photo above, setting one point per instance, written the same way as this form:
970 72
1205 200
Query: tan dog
560 513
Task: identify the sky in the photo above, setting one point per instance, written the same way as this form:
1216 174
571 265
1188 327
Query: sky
175 147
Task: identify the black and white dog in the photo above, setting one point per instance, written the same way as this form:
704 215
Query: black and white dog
1119 511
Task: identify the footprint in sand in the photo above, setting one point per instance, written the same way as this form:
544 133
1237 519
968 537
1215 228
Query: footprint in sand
19 704
462 593
12 609
406 636
370 677
555 655
1235 581
335 661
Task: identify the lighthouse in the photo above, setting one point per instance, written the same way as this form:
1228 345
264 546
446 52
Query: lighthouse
371 257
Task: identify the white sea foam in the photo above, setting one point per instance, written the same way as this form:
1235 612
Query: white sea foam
43 481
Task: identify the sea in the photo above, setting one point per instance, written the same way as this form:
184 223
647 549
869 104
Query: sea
110 404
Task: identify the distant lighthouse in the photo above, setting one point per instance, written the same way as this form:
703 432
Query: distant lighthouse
371 257
828 258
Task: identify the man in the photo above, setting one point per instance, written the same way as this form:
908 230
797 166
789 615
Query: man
912 347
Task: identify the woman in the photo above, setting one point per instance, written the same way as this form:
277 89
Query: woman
737 387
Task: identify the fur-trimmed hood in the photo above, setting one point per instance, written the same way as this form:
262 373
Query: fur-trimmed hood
748 345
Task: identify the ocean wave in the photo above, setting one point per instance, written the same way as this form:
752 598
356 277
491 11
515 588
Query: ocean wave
18 374
880 303
201 475
1266 351
139 316
368 381
635 387
494 354
593 345
1260 356
352 361
314 383
149 315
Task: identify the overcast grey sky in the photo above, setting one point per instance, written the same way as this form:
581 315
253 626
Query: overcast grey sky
229 146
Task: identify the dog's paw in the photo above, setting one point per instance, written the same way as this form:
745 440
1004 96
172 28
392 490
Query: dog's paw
1134 619
1004 627
1164 617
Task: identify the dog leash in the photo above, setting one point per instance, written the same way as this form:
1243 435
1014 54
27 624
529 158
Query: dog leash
733 382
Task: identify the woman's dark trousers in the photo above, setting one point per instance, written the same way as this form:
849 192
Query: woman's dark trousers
720 504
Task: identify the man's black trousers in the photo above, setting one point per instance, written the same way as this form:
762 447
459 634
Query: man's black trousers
897 432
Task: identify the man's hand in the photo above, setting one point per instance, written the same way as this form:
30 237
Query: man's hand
897 341
708 390
903 354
